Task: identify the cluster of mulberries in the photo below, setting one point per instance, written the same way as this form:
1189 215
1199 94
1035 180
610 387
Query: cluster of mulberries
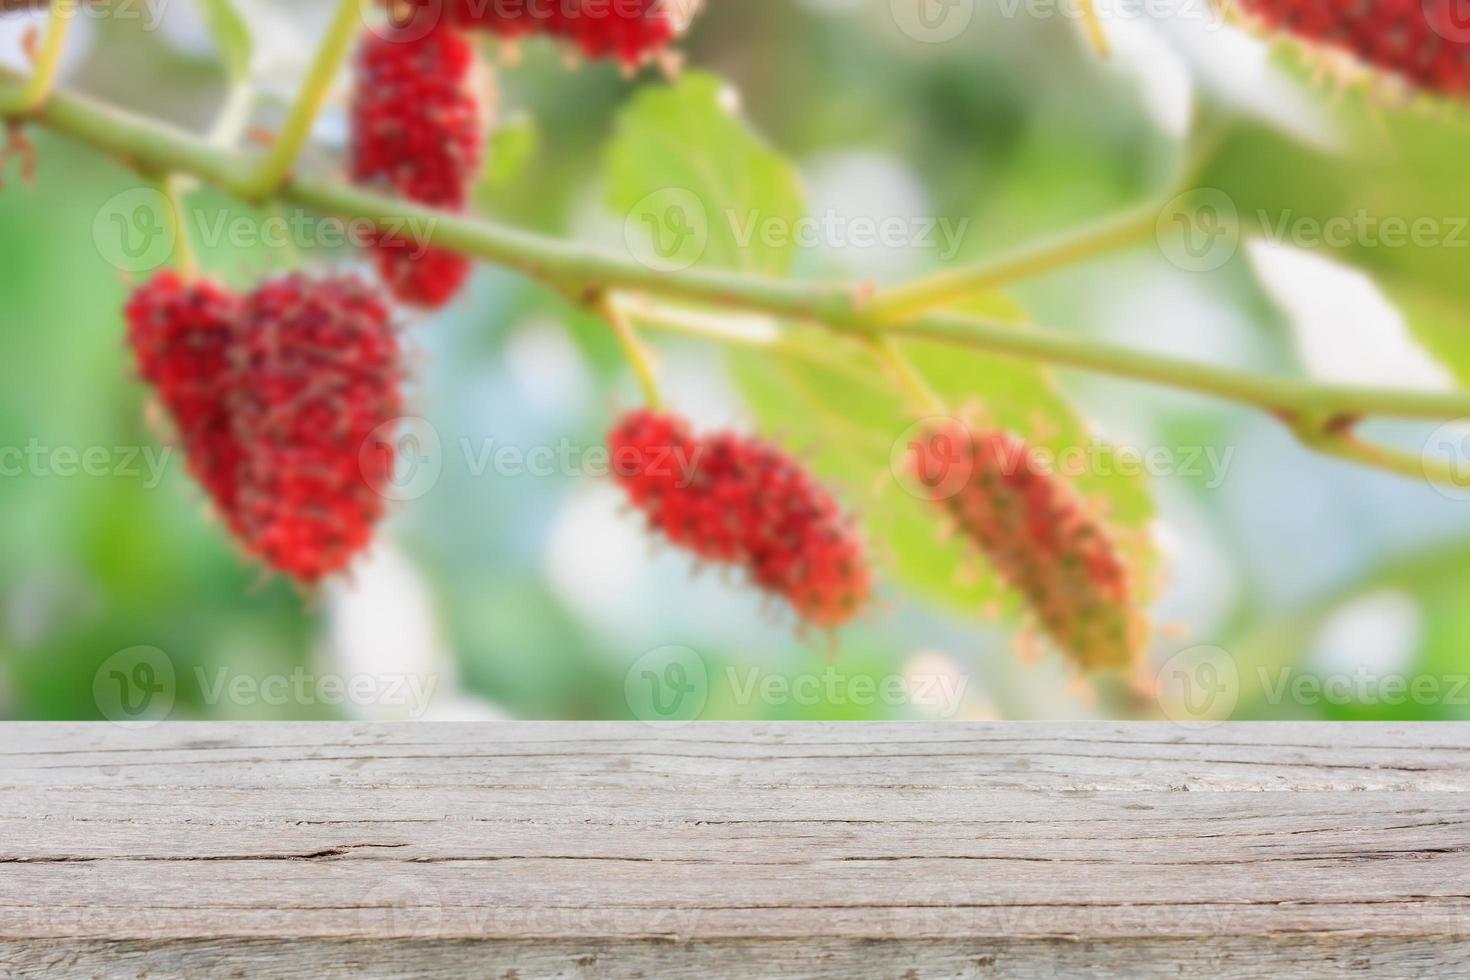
630 31
1038 534
273 396
738 501
418 126
1425 41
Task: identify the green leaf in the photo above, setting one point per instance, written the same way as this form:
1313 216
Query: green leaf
1272 657
511 148
1392 200
689 176
683 165
231 36
1438 322
850 420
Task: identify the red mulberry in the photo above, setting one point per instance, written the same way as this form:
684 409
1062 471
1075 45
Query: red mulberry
182 336
318 374
1425 41
1037 533
630 31
739 501
418 129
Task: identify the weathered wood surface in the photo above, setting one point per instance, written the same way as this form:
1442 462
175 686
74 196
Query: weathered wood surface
723 850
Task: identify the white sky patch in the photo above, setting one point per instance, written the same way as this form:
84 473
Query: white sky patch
1379 633
596 557
547 370
1235 68
381 625
1171 312
15 26
938 686
1200 585
852 193
1158 70
694 378
1346 330
184 28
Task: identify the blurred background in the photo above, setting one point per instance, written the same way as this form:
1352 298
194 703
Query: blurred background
512 588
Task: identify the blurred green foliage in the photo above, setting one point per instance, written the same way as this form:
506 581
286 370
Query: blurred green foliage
1013 127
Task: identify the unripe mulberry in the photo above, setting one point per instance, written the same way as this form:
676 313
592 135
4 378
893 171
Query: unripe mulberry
738 501
1038 534
182 335
1425 41
319 372
418 130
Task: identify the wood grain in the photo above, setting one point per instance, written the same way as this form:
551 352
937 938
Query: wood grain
724 850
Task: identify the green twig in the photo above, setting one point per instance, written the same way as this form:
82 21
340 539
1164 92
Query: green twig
908 376
640 359
174 192
1092 26
953 286
48 62
272 171
1307 406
